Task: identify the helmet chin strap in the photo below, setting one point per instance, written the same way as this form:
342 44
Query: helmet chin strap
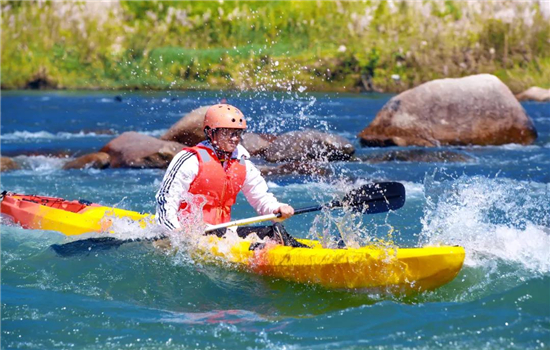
220 153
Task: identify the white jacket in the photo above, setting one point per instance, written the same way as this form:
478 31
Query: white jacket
182 171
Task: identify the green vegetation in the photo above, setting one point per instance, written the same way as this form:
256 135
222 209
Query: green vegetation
275 45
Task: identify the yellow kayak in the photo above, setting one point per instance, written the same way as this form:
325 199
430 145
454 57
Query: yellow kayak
398 270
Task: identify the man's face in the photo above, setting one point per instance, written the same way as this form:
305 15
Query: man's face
226 139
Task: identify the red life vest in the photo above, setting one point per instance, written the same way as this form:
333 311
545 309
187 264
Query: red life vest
219 186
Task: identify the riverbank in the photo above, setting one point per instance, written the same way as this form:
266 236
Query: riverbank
276 46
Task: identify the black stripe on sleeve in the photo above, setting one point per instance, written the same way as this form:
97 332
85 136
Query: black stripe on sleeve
168 181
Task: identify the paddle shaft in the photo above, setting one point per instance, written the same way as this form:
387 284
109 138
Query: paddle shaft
262 218
242 222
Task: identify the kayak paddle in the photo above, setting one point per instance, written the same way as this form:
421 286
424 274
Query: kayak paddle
372 198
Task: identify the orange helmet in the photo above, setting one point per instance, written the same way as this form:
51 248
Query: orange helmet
224 116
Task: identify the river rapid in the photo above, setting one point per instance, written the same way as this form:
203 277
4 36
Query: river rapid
495 203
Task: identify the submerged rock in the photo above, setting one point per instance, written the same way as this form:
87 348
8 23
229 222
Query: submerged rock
257 144
534 94
135 150
309 144
418 155
7 164
295 168
99 160
475 110
189 129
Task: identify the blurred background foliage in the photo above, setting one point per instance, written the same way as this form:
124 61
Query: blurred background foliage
273 45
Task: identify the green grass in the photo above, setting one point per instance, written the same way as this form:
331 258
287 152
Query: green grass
273 45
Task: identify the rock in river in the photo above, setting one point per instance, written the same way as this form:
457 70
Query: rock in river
475 110
7 164
189 129
98 160
257 144
309 144
535 94
135 150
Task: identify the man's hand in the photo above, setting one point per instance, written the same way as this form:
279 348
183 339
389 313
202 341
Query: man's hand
285 210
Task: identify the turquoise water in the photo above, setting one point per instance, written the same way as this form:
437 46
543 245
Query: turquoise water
496 205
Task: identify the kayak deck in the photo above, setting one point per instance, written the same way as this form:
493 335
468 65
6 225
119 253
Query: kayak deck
401 270
68 217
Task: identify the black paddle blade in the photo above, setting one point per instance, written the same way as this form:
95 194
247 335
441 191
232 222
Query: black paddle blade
86 246
94 244
375 198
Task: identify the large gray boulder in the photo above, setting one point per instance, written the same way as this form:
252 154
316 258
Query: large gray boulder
134 150
189 129
475 110
98 160
308 145
535 94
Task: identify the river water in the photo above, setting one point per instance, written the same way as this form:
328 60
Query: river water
495 203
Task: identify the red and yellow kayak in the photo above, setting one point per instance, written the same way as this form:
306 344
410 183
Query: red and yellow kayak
57 214
401 270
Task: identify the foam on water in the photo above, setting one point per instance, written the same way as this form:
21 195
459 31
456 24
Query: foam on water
40 164
216 316
497 221
45 135
154 133
18 135
507 147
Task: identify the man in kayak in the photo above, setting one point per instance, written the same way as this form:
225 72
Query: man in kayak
214 172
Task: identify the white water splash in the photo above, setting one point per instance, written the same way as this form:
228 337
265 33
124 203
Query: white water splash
127 228
189 245
355 229
493 219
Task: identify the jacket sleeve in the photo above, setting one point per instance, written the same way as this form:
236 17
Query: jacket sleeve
256 191
181 172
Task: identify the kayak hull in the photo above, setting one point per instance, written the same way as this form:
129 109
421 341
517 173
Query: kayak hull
398 270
